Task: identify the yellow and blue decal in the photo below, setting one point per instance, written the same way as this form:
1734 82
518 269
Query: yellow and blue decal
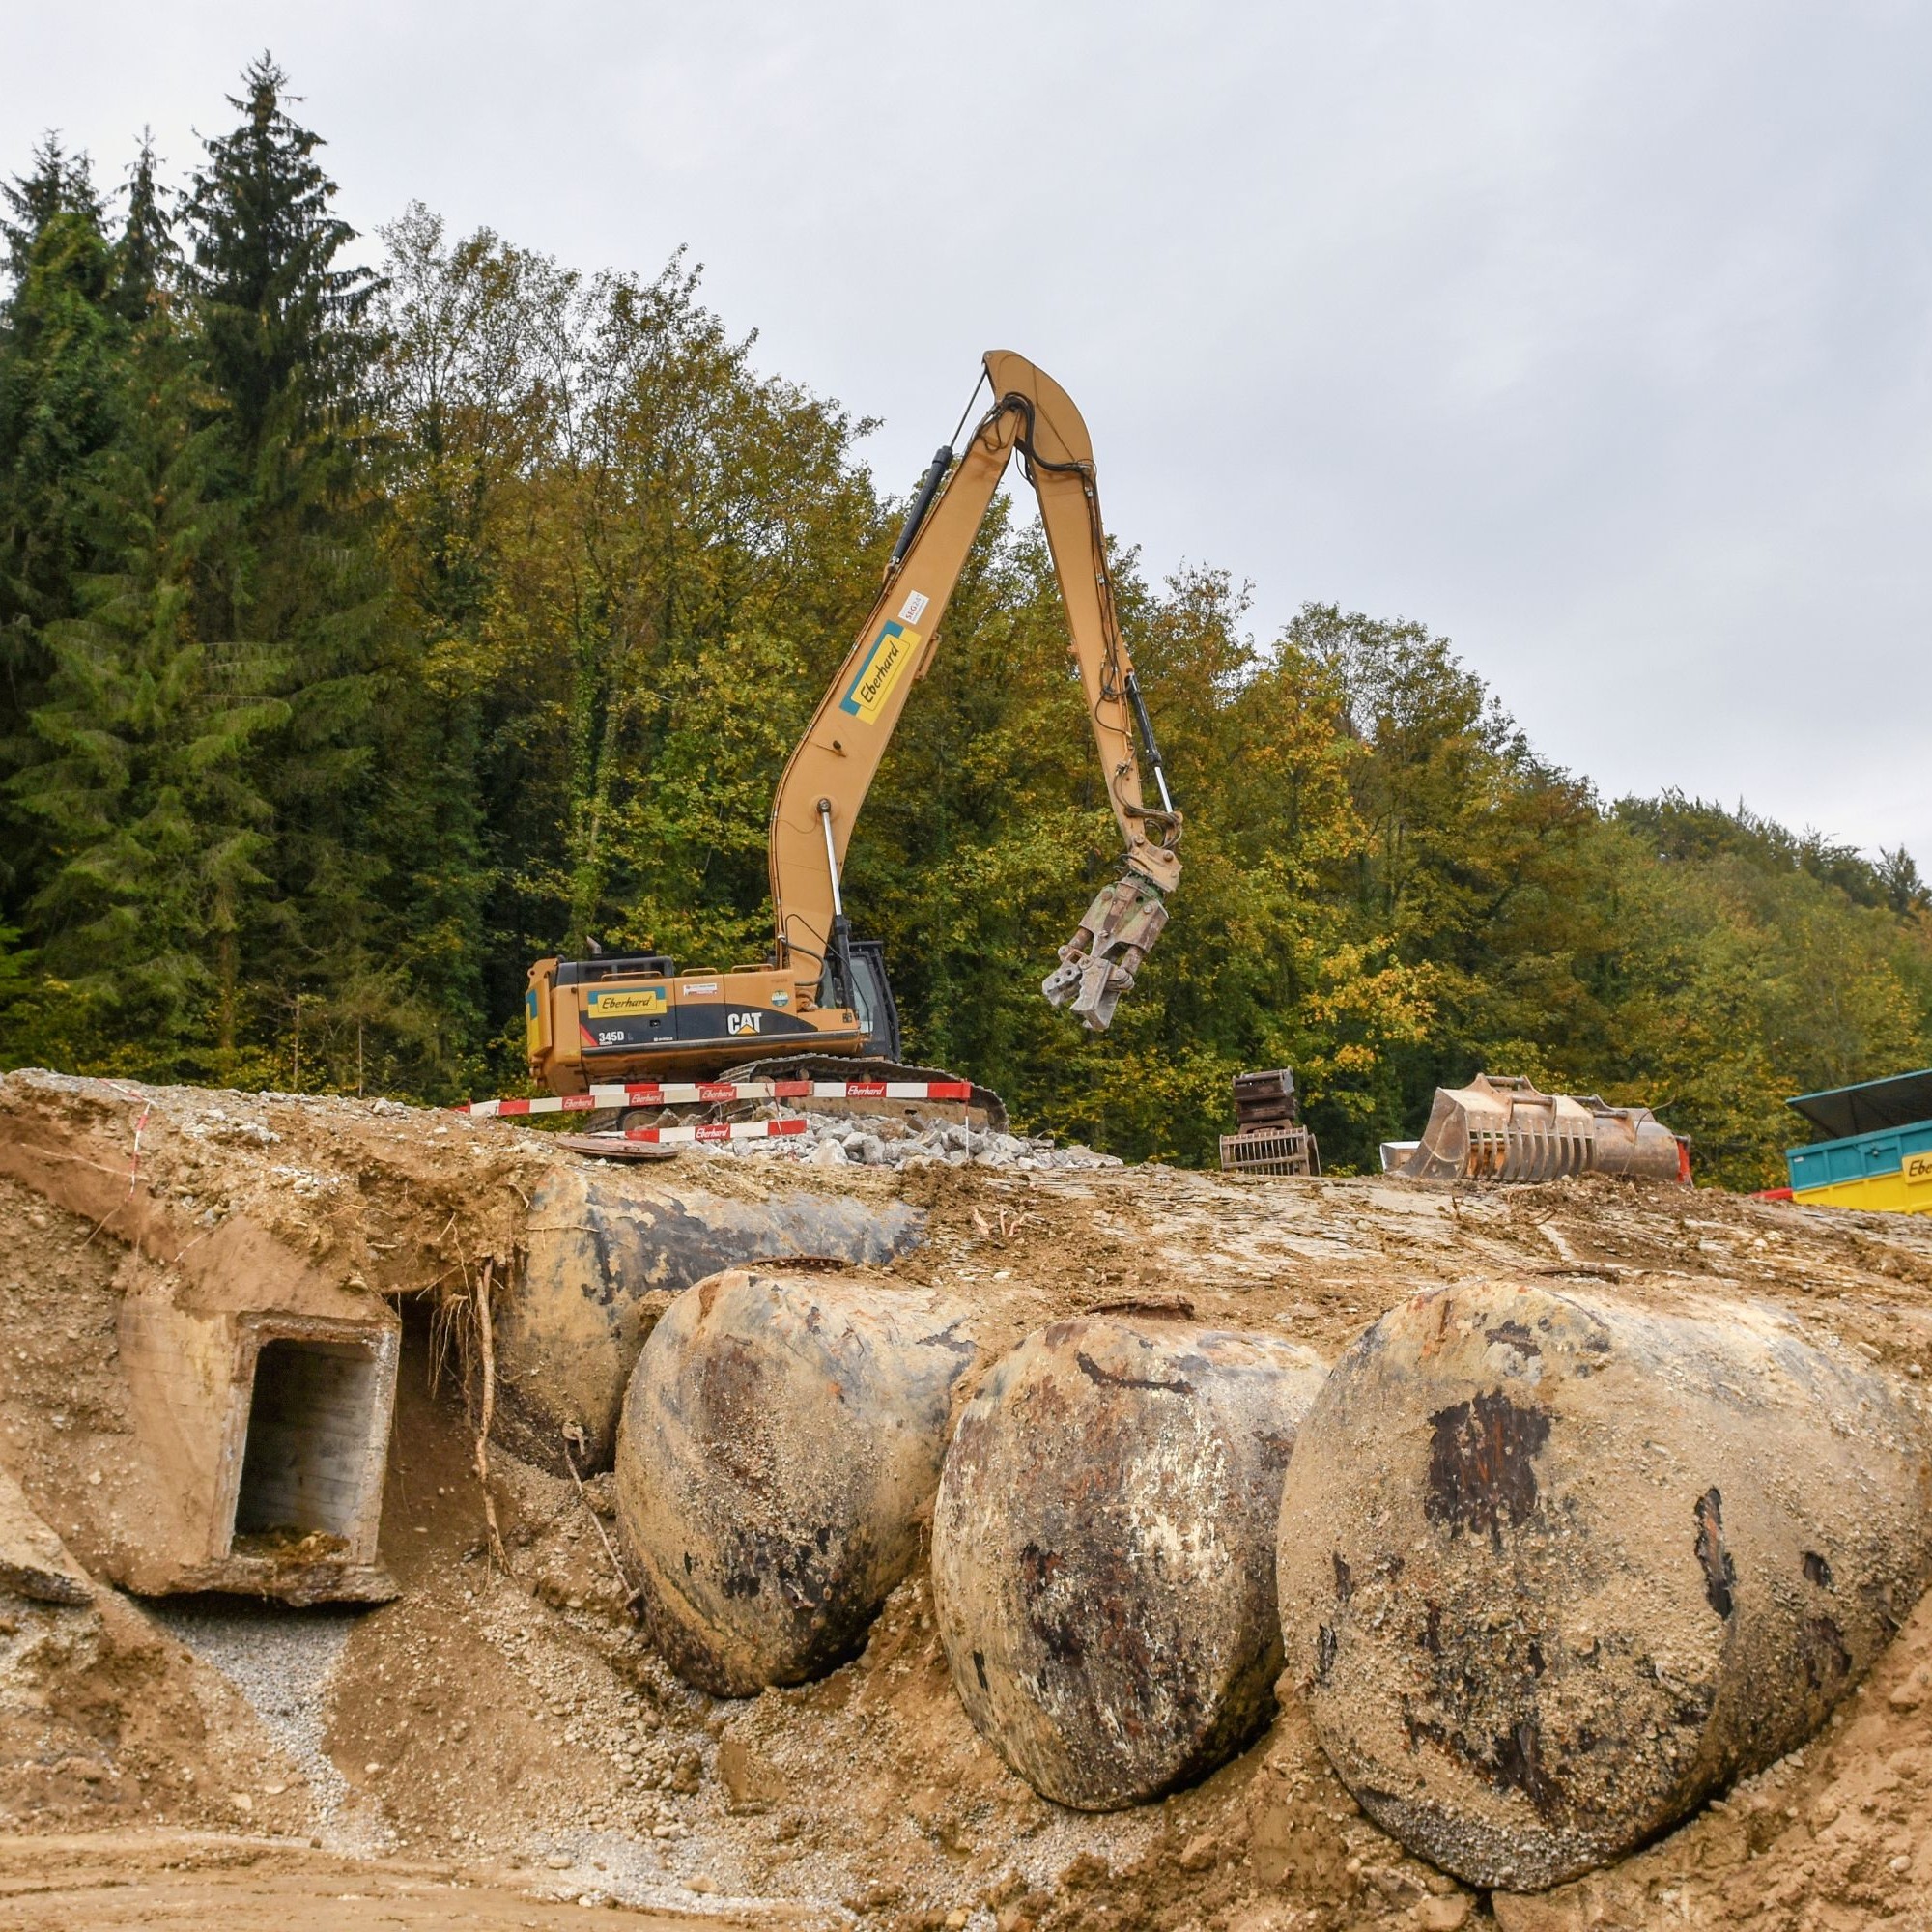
624 1001
894 651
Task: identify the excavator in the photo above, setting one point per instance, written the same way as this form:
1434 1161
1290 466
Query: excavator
823 993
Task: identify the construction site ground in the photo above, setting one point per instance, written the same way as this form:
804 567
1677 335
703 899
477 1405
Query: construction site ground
499 1746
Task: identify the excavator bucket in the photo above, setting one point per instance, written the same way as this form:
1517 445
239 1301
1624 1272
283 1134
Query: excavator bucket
1499 1127
1099 963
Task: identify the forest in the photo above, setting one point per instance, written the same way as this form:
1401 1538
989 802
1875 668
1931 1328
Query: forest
367 633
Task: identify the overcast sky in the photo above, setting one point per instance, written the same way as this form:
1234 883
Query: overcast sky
1598 337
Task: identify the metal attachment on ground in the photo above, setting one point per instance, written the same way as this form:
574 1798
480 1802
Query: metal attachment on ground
1270 1137
1099 963
1499 1127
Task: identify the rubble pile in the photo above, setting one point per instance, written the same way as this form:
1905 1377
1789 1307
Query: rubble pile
837 1141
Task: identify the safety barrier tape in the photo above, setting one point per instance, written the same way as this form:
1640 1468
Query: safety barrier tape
709 1130
688 1092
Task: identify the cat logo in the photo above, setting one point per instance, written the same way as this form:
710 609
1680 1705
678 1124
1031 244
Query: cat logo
736 1023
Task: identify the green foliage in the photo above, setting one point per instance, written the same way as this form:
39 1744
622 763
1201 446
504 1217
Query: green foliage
62 402
152 828
366 637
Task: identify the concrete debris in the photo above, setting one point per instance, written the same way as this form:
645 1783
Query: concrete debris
833 1140
259 1387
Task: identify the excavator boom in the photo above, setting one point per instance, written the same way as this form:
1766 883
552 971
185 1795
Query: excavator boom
829 774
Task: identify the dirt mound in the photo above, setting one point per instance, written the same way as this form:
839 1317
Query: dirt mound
518 1722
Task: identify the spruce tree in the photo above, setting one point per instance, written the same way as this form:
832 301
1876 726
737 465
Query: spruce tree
59 184
288 354
146 259
143 791
62 352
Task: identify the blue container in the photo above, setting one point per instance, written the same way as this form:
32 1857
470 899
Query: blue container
1861 1158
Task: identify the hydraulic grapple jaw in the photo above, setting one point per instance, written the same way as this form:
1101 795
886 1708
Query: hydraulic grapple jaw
1099 963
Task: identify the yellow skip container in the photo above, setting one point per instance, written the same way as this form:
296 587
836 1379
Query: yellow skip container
1881 1157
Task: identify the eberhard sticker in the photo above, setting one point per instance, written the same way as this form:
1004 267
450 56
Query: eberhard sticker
621 1003
914 607
891 655
1918 1167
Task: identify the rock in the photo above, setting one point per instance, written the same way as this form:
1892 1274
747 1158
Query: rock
604 1255
780 1437
1103 1551
1555 1567
827 1154
34 1562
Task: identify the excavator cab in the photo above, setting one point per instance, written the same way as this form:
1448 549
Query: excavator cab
871 997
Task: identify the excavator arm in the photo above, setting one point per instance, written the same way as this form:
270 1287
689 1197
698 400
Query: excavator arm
829 774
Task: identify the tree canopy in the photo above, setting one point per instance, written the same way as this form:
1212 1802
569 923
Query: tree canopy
366 635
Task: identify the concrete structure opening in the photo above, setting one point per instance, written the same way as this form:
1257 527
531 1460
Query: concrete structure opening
308 1461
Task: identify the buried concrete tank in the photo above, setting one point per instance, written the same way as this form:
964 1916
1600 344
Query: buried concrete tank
780 1439
1555 1567
1103 1550
604 1255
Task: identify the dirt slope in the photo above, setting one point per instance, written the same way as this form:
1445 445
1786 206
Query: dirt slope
517 1721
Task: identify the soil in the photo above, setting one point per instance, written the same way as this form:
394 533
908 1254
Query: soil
508 1732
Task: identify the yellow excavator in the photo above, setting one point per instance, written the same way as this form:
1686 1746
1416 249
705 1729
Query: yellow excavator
822 992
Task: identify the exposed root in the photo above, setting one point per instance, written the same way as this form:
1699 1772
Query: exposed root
487 1415
631 1595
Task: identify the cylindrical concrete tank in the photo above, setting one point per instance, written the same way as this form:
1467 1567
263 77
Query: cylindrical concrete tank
603 1254
781 1437
1555 1567
1103 1550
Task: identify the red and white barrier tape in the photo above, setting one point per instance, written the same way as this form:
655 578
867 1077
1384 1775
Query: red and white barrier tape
688 1092
710 1130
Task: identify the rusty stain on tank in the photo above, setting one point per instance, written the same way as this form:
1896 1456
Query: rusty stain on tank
1480 1463
1720 1574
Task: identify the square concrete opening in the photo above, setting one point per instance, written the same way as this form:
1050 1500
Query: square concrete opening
316 1431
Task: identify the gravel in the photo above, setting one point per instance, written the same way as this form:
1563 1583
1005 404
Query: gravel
281 1660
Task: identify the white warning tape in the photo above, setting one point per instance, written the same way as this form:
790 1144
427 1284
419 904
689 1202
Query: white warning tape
709 1130
690 1092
